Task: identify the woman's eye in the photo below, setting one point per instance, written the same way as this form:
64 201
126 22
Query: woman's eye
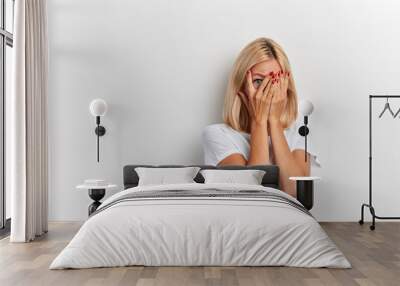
257 82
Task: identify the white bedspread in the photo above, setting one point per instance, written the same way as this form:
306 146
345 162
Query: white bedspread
200 231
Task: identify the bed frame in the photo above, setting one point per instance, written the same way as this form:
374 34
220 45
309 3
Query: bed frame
305 195
270 179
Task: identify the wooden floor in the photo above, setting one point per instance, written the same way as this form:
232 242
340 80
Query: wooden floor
375 256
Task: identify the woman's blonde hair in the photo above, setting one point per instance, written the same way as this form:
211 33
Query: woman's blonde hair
235 113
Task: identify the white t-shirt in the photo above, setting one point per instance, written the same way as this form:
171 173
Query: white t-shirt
220 141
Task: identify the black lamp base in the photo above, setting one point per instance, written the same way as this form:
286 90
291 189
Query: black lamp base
100 130
304 131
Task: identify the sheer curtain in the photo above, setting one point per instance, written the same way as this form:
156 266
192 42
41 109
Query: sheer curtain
28 122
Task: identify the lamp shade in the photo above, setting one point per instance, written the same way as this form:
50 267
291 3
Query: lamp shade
306 107
98 107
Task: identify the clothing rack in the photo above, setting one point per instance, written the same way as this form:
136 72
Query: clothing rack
370 205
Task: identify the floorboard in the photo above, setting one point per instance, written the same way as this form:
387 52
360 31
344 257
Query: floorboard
374 255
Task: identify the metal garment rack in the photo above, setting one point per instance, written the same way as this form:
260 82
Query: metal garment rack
369 205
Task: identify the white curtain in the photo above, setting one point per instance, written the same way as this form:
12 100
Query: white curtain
28 122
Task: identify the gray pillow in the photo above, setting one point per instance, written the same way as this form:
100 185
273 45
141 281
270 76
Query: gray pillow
249 177
162 176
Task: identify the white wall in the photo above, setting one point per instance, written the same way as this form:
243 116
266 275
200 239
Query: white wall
163 65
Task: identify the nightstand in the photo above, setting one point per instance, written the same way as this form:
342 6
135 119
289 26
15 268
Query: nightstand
96 193
305 190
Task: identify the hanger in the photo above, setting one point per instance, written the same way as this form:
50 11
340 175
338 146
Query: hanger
397 113
387 107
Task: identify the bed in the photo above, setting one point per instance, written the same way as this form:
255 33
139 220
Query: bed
199 224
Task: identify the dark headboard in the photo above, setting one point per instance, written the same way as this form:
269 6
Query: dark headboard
270 179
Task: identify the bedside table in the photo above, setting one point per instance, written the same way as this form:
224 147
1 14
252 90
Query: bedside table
305 190
96 193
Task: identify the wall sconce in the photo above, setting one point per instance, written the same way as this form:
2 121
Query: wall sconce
305 108
98 108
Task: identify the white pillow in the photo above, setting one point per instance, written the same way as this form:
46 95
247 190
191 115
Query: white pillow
249 177
162 176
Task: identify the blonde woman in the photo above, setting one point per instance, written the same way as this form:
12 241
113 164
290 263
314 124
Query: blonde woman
260 112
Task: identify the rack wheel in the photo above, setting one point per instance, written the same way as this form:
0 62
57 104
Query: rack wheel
361 222
372 227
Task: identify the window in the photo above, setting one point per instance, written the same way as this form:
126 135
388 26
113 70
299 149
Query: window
6 44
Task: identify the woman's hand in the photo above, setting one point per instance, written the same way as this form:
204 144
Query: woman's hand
277 100
257 100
